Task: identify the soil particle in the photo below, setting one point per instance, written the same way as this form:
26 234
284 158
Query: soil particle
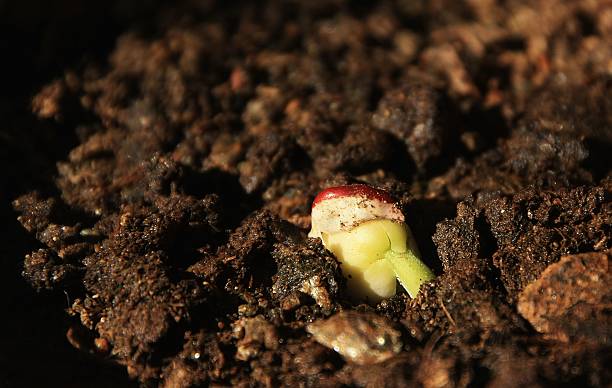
539 153
516 237
59 262
308 270
44 270
445 62
246 260
200 361
271 155
415 114
133 325
361 150
47 103
395 372
307 363
525 158
36 213
570 297
362 338
534 229
291 199
253 334
458 241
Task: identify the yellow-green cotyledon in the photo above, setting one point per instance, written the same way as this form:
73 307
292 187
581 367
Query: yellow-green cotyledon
366 231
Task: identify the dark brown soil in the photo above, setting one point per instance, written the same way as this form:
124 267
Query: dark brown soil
158 165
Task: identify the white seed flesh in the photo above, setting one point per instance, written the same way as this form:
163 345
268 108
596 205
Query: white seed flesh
345 213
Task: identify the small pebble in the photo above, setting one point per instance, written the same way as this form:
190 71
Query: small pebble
363 338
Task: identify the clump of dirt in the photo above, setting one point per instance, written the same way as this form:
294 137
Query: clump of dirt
563 311
176 214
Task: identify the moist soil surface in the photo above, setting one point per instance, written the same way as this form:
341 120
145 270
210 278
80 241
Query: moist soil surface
159 162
